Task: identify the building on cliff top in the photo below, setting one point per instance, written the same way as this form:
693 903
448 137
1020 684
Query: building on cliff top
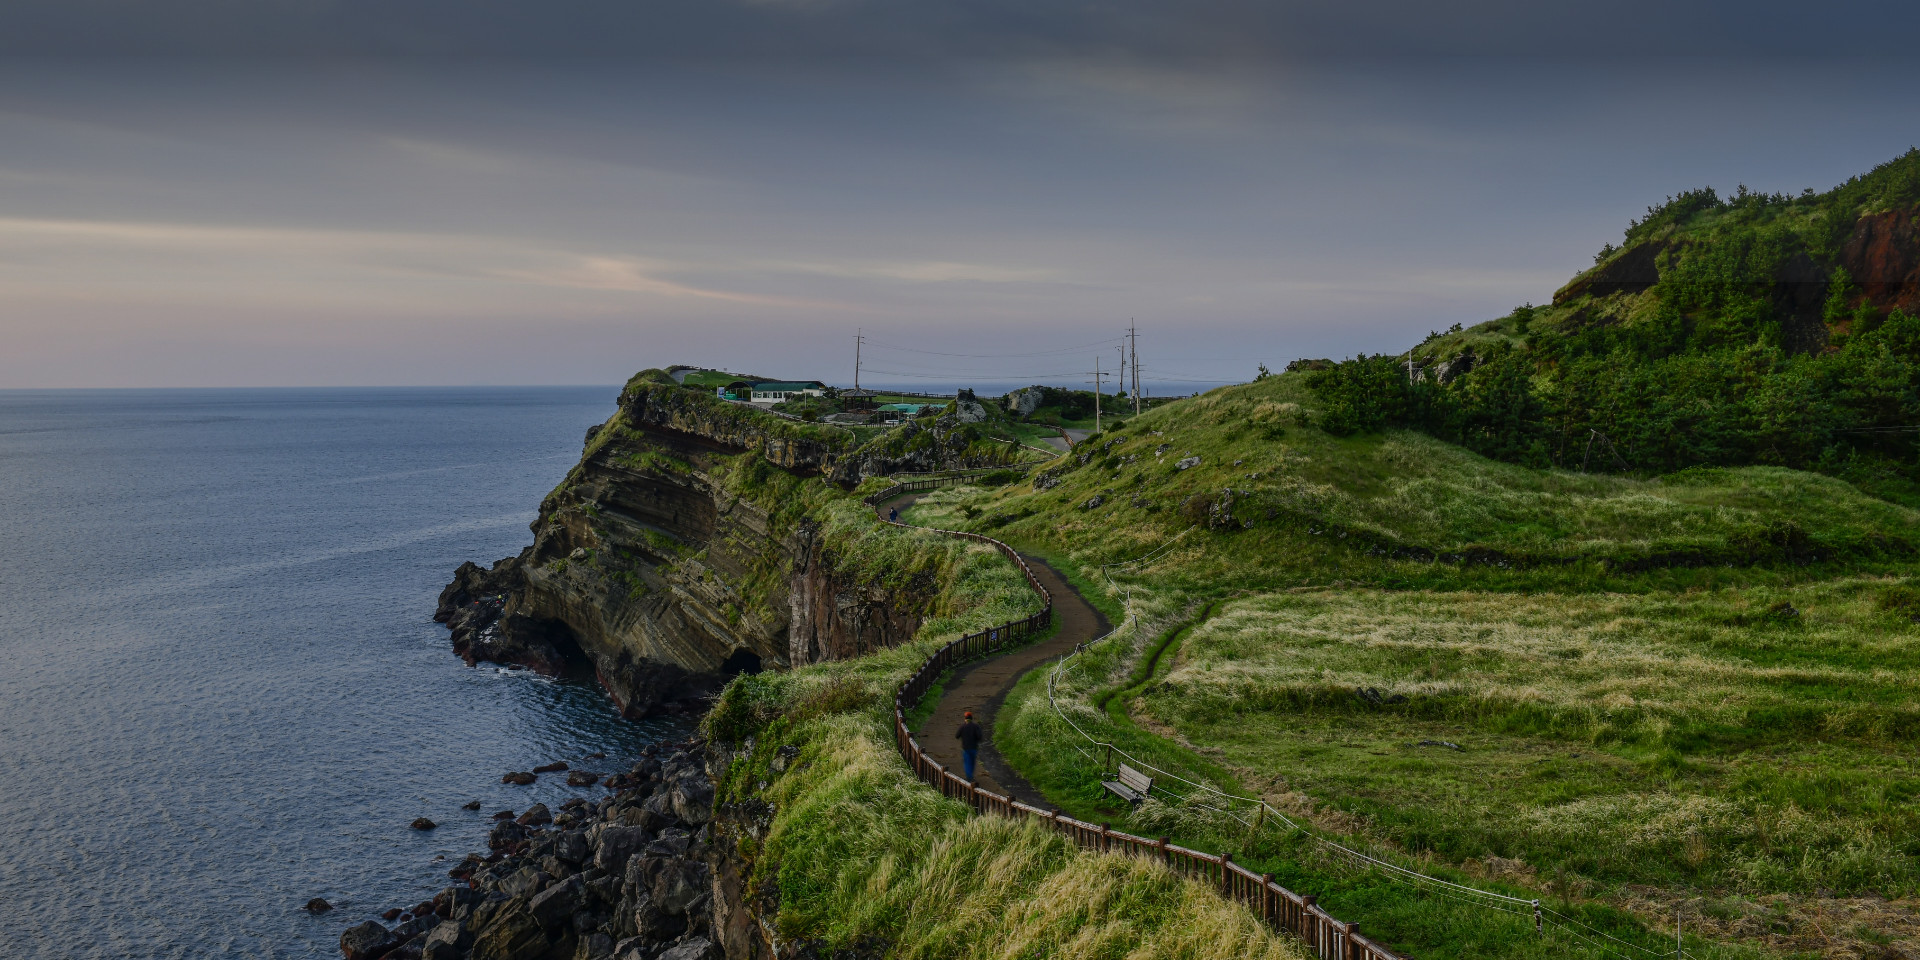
775 391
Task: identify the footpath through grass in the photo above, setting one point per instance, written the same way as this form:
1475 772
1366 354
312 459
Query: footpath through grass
1688 692
862 856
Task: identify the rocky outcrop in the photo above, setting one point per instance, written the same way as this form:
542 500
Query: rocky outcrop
1632 271
1882 255
648 572
637 874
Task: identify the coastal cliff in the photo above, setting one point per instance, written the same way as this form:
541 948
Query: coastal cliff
693 542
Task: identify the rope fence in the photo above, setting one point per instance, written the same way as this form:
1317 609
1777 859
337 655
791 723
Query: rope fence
1327 937
1256 813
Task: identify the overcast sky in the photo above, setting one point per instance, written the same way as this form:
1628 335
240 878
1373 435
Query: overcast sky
312 192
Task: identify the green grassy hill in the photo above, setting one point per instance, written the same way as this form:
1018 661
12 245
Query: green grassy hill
1686 689
1759 329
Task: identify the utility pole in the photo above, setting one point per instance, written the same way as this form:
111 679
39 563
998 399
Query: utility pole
1133 350
859 335
1123 371
1096 393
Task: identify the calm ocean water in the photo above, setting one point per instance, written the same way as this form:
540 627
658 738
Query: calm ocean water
222 693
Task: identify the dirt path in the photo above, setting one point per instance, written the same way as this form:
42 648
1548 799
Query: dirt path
982 686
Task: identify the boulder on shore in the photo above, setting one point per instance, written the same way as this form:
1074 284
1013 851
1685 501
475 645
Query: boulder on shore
366 941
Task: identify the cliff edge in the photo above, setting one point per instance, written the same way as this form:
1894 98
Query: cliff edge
691 543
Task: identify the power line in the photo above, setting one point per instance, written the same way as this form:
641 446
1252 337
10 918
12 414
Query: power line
992 356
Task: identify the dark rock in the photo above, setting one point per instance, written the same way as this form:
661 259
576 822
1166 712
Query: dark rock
614 845
654 924
503 815
558 766
536 816
470 805
596 755
392 915
455 903
783 757
698 948
571 847
504 835
518 778
555 905
1632 271
693 800
444 942
525 882
676 884
581 778
366 941
415 928
596 946
511 934
422 823
318 905
673 843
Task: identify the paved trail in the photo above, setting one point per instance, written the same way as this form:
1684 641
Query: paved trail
981 686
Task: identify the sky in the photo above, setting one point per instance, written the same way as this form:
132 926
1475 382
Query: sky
313 192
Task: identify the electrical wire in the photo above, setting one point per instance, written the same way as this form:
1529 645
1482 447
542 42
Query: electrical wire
995 356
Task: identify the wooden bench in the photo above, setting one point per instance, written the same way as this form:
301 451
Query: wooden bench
1133 786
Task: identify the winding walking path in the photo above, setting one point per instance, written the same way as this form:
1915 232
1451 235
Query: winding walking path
982 686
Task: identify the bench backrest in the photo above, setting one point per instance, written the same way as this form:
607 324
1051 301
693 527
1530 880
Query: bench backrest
1140 782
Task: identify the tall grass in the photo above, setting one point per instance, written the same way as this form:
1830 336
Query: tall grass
859 852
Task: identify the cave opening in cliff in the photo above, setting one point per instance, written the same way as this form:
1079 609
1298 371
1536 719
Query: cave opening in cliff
741 661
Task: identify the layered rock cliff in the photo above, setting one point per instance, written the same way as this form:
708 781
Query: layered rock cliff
683 549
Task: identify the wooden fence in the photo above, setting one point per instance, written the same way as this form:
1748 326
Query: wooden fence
1283 909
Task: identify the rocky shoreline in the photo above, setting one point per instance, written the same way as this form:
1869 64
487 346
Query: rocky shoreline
633 875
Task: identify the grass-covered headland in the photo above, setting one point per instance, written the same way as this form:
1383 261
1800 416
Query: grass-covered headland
1634 648
1612 603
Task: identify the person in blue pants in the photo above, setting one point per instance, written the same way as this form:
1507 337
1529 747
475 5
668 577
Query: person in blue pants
969 737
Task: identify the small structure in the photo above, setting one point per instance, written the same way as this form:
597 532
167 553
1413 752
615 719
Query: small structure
858 399
737 390
898 410
1131 786
778 391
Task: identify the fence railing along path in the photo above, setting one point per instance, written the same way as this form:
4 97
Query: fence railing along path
1328 938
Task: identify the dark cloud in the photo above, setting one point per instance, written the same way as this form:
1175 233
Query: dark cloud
915 29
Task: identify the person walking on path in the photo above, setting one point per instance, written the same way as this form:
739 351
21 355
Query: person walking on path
894 515
969 737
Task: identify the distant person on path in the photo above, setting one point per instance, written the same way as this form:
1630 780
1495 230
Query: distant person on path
894 515
969 737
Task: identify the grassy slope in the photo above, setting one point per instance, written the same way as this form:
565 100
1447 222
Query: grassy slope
859 852
1643 723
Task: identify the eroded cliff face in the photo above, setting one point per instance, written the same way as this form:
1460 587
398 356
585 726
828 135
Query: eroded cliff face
648 571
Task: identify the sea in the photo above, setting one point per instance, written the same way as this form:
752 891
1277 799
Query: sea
222 693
